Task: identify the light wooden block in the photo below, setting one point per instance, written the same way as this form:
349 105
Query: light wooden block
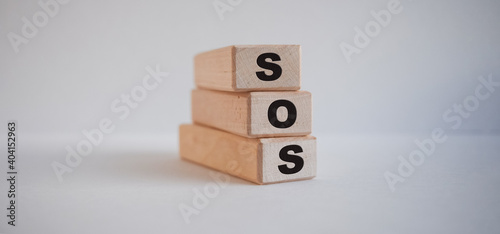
262 160
237 69
248 114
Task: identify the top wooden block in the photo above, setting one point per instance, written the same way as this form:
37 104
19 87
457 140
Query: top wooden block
249 68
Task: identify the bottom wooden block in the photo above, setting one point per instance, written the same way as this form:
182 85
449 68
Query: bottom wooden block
259 160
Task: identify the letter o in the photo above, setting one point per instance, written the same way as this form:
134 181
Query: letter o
272 114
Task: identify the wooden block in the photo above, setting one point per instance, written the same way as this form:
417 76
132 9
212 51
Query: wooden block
254 114
249 68
262 160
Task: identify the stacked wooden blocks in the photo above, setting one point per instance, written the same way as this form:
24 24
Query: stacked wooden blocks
249 118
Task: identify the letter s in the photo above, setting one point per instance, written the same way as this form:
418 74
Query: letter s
297 160
261 61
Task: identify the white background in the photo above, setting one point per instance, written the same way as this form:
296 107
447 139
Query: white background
365 114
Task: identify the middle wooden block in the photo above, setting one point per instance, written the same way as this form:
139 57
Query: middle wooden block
254 114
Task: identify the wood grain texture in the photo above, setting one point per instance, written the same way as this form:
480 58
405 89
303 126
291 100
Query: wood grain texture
255 160
246 114
234 68
215 69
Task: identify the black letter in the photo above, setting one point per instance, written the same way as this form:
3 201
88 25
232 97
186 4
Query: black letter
272 115
261 61
299 162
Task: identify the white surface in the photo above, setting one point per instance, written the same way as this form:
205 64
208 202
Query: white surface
135 184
